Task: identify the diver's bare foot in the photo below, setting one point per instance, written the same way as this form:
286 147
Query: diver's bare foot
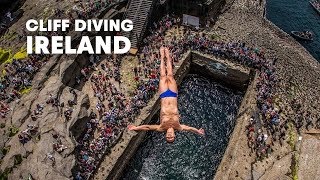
167 52
161 52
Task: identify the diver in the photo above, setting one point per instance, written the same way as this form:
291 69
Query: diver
169 115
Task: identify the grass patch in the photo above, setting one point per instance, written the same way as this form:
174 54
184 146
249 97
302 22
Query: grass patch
2 125
294 166
17 159
13 131
37 138
5 150
9 35
292 137
4 175
25 91
214 37
294 159
5 55
21 54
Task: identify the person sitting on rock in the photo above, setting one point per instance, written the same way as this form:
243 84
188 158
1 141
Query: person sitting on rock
23 140
71 103
51 158
77 80
59 147
24 136
50 99
8 15
26 133
39 108
93 115
68 113
169 115
32 129
78 176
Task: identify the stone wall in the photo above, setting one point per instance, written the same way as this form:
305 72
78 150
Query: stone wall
190 63
220 72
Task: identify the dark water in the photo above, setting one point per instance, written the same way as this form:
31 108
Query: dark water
296 15
202 103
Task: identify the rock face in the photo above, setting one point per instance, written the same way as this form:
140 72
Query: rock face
73 70
50 122
55 78
78 124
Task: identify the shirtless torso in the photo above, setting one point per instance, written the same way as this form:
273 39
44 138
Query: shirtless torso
169 114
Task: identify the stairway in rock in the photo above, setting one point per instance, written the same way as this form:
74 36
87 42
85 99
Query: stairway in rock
138 12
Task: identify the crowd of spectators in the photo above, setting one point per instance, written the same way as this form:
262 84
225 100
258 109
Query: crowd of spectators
16 77
17 74
115 110
261 135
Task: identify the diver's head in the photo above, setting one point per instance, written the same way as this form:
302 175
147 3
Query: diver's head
170 135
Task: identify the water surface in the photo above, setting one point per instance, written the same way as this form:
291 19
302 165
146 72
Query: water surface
296 15
202 103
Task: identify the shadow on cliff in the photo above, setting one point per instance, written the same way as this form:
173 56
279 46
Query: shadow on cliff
74 71
16 13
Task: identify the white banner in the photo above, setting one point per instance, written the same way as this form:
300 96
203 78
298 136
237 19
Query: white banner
191 20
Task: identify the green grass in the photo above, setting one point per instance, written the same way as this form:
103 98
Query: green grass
17 159
294 166
25 91
214 37
295 159
8 35
5 55
5 150
292 137
13 131
4 175
38 138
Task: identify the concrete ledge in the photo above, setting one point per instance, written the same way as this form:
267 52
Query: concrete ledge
114 163
231 156
222 71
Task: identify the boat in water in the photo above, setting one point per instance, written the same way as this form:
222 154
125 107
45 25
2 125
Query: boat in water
303 35
316 5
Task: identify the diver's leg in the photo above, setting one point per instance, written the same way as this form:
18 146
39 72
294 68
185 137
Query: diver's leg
172 85
162 64
169 62
162 83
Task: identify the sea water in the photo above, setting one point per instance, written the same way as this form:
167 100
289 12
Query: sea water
296 15
202 103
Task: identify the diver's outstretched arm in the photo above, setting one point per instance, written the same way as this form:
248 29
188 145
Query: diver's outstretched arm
144 128
192 129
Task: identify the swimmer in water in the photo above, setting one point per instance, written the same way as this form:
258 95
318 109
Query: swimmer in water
169 115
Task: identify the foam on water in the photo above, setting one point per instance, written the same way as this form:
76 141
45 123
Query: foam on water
202 103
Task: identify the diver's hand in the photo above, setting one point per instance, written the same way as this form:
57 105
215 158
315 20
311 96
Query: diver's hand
131 127
201 131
